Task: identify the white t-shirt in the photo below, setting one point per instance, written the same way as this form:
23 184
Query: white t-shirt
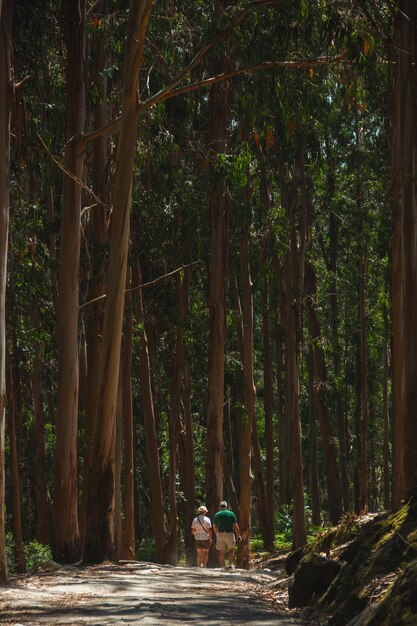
200 534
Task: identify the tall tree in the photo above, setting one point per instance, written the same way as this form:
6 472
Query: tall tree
6 100
67 547
218 116
100 531
404 254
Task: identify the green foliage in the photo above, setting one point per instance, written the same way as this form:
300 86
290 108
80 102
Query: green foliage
36 554
146 550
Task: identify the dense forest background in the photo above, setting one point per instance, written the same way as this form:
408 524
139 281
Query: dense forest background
208 268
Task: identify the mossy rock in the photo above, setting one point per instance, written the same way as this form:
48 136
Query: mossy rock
312 577
383 545
399 606
295 557
331 538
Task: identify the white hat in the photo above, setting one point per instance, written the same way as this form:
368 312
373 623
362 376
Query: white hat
202 509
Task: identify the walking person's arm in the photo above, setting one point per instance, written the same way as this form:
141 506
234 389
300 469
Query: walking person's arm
237 531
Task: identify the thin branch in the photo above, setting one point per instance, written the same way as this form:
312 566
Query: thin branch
149 284
72 176
108 128
207 82
220 36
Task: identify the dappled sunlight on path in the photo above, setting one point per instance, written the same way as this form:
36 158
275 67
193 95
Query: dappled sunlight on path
138 593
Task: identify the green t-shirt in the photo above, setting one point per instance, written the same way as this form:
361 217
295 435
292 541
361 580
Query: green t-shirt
224 521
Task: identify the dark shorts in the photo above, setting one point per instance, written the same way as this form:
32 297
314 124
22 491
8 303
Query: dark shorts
205 544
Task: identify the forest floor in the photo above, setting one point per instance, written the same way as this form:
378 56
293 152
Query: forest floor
135 593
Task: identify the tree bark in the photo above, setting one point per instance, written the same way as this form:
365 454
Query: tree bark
218 118
15 473
42 498
332 266
6 99
294 280
248 416
312 418
118 526
334 491
100 522
386 417
67 547
97 233
128 432
151 435
404 256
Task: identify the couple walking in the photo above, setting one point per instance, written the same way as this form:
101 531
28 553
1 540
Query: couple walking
226 531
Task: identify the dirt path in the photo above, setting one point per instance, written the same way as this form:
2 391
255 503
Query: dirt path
139 593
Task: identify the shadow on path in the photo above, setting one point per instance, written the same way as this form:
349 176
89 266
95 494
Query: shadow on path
136 594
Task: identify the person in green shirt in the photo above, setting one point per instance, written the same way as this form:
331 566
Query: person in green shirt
227 531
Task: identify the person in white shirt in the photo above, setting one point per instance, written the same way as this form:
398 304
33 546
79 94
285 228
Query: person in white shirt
201 529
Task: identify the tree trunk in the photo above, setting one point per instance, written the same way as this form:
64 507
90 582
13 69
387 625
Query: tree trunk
312 420
6 99
15 473
334 321
385 414
269 425
218 118
100 523
265 194
42 499
118 525
151 435
294 279
334 492
128 432
186 460
363 396
67 538
248 416
404 256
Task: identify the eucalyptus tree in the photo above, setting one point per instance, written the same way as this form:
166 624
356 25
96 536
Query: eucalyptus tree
404 260
99 535
6 101
67 547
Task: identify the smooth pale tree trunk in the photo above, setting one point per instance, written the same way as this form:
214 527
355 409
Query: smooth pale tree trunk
218 118
249 397
128 431
404 256
97 236
6 99
334 492
99 543
67 548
